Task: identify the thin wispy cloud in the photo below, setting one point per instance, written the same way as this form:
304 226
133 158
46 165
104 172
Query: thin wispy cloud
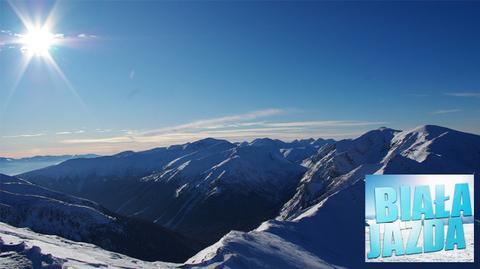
119 139
239 127
63 133
70 132
218 122
86 36
445 111
7 38
24 135
464 94
232 135
103 130
325 124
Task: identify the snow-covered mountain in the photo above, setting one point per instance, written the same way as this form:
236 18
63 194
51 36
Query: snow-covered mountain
12 166
322 226
319 198
24 204
329 234
202 189
425 149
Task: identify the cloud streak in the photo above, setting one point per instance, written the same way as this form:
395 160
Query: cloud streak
325 124
70 132
220 122
445 111
24 135
464 94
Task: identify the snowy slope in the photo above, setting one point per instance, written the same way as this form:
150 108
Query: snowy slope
329 234
315 234
24 204
256 249
207 194
22 248
27 205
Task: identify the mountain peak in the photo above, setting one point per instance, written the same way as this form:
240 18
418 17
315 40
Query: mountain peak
382 133
434 130
429 132
205 142
209 141
124 154
387 129
266 142
303 141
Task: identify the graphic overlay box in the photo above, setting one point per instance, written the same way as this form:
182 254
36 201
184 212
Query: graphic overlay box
419 218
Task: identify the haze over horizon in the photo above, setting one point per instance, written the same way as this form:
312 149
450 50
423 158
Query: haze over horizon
237 71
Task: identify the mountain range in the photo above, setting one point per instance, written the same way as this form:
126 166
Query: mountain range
259 204
202 189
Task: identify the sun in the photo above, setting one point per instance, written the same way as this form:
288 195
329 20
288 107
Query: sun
37 42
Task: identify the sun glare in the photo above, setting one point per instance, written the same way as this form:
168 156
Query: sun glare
37 42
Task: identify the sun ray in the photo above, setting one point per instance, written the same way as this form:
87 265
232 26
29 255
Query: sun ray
52 17
36 42
25 20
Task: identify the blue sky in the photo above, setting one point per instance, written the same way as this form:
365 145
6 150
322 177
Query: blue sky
135 75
